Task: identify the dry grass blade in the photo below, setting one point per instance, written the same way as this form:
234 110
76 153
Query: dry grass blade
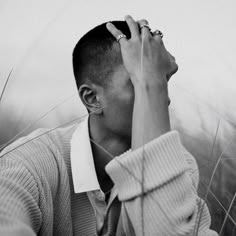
227 214
150 190
50 130
44 30
142 193
203 102
214 171
139 181
212 176
143 156
134 176
102 148
214 142
198 219
35 122
5 85
230 217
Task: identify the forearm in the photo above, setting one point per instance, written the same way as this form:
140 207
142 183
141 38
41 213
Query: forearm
150 112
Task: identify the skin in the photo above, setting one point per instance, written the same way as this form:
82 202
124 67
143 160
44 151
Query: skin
112 127
133 97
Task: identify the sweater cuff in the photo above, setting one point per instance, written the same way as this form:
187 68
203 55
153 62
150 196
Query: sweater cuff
161 160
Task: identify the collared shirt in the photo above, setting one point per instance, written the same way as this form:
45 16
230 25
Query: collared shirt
84 174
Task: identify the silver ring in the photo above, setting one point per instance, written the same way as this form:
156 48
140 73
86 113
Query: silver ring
158 32
119 37
145 26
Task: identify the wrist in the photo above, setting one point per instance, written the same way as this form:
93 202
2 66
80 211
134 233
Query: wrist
157 83
152 89
150 113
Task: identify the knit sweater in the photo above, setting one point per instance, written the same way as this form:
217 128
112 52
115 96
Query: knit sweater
37 196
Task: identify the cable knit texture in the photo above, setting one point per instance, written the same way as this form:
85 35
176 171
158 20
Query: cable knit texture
157 185
37 196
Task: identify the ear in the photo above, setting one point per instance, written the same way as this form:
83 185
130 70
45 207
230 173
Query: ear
90 99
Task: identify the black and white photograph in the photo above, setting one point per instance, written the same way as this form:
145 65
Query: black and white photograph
117 118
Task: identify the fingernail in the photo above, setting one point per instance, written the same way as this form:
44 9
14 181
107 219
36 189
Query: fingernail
108 25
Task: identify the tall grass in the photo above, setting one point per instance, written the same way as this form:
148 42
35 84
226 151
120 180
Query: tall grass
222 209
5 85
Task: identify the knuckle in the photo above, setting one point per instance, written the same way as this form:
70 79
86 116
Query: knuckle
159 40
143 21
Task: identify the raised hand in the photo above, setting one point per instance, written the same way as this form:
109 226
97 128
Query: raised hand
150 66
144 54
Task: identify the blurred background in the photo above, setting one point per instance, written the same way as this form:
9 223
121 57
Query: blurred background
36 43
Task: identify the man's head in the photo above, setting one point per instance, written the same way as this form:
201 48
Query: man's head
103 83
102 80
95 56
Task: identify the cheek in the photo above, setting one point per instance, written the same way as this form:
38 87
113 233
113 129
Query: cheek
124 99
120 105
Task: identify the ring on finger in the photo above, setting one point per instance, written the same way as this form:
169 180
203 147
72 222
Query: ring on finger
158 32
145 26
120 36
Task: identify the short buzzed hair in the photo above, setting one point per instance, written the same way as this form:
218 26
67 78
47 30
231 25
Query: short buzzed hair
94 57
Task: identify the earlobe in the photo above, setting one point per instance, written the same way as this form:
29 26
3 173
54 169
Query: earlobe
90 99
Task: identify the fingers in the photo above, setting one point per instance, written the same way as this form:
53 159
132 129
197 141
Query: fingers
157 34
134 30
144 27
120 37
133 26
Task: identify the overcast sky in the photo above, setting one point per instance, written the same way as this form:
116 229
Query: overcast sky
36 41
37 38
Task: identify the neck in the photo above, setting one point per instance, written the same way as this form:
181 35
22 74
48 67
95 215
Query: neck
105 146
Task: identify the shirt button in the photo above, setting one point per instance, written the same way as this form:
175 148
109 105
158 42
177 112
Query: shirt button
100 196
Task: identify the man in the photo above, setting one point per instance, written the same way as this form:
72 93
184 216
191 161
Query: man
73 181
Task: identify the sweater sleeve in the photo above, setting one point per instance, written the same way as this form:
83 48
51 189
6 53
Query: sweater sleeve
19 211
157 187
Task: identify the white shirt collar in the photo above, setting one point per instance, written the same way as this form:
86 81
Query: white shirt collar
82 164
